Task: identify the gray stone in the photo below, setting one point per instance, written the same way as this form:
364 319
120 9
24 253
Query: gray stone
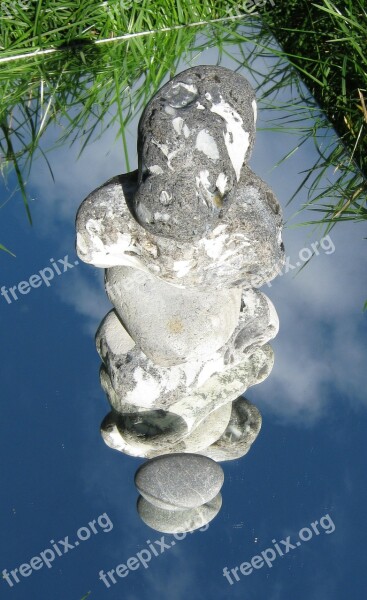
199 403
172 325
210 428
258 323
179 481
243 429
177 521
193 138
151 433
137 380
245 249
144 434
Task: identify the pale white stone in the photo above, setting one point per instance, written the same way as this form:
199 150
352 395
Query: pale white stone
176 388
139 381
172 325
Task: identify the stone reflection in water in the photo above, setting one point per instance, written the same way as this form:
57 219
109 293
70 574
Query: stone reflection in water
186 241
179 492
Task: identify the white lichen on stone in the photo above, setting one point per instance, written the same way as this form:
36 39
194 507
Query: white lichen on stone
236 139
206 143
156 170
178 124
221 183
165 150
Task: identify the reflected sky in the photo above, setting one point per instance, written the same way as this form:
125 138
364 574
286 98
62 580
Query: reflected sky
58 475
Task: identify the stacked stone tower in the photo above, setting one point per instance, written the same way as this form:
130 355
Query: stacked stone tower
186 241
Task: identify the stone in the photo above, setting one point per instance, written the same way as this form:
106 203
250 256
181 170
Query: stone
179 481
140 381
151 433
211 427
194 136
243 428
245 249
186 240
197 405
143 433
258 323
177 521
172 325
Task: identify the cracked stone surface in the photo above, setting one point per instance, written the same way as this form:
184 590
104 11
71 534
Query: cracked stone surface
245 249
175 521
194 136
172 325
220 389
179 481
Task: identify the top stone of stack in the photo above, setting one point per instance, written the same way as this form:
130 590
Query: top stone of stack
194 137
194 214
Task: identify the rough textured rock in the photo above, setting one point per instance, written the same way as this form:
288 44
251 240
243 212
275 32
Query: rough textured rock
144 434
172 325
179 481
193 139
245 249
137 380
151 433
175 521
243 429
215 392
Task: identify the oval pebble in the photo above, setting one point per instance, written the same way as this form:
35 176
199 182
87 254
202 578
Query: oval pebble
175 521
179 481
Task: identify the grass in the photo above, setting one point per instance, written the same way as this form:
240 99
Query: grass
78 85
74 75
67 73
38 24
327 44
